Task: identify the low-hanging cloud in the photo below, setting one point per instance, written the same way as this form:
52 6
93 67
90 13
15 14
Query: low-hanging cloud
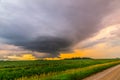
52 26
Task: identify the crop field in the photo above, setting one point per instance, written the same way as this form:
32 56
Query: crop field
54 69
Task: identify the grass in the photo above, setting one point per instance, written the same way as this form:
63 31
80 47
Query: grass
23 70
80 73
73 74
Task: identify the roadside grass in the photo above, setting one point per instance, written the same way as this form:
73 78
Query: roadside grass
73 74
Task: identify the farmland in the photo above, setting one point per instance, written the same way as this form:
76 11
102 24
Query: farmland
54 69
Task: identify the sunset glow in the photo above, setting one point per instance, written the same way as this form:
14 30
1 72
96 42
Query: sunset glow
53 30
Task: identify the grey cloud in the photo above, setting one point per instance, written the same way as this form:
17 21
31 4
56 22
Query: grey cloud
92 44
52 26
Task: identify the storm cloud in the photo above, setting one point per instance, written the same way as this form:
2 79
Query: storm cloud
53 26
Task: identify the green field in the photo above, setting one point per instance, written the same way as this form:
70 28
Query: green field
52 70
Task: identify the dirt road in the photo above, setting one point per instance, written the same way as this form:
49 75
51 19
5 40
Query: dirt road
109 74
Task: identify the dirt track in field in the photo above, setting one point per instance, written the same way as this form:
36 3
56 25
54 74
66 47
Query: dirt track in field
109 74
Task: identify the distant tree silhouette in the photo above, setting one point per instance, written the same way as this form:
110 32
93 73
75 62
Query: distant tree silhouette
77 58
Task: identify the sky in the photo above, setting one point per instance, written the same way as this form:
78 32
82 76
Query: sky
33 29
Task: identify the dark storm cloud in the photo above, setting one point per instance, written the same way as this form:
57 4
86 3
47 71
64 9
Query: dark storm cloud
47 44
52 26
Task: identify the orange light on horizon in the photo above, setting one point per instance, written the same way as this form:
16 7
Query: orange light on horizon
76 53
23 57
